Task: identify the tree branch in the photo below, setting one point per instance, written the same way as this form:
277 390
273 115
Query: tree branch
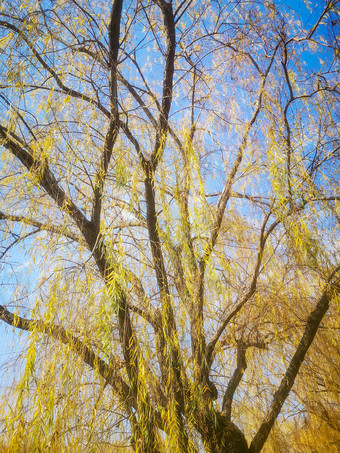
331 291
289 149
241 366
47 180
16 241
68 91
198 337
169 68
140 101
235 380
112 133
42 226
251 290
226 193
109 372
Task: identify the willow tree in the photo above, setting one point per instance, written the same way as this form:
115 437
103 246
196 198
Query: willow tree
169 176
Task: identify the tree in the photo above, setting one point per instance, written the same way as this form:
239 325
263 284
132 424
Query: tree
175 164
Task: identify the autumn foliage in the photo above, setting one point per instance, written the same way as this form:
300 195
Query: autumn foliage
170 181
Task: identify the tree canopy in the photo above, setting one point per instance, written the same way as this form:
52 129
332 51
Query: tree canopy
170 183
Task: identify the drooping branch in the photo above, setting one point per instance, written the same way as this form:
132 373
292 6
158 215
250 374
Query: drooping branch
331 291
40 169
47 180
226 193
251 290
61 230
65 89
138 98
16 241
109 372
200 350
145 427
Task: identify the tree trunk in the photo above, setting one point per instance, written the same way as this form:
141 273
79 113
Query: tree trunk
223 436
